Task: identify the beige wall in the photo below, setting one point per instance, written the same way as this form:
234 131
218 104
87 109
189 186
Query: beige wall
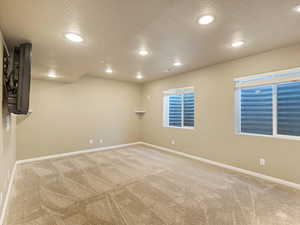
66 116
7 140
214 137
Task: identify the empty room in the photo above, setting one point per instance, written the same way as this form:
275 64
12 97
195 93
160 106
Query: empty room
158 112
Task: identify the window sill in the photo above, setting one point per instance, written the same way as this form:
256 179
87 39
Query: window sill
184 128
271 136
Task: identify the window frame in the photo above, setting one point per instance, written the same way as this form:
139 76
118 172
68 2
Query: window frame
166 108
237 109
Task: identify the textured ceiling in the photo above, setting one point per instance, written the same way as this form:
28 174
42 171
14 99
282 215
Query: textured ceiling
114 30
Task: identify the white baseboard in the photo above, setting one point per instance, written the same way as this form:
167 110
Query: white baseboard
9 188
76 153
12 176
240 170
244 171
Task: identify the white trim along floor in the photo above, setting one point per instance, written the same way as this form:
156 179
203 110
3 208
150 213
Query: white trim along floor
243 171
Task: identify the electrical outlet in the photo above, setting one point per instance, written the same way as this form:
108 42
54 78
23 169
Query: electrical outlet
91 141
262 162
173 142
100 140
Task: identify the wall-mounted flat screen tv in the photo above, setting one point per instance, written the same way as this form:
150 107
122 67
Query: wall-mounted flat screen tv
17 79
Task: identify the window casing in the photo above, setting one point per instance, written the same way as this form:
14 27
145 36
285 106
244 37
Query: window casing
269 104
179 108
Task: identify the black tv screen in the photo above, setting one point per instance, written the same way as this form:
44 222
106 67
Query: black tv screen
17 79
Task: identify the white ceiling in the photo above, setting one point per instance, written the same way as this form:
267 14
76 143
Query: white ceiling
114 30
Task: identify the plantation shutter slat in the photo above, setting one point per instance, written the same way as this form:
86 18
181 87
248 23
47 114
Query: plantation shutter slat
256 110
179 107
288 109
188 113
175 110
269 103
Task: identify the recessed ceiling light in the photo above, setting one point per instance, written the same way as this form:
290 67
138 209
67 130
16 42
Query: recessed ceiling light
204 20
139 76
108 70
177 63
237 44
52 75
73 37
297 8
143 52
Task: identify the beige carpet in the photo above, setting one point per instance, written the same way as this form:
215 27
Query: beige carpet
141 186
